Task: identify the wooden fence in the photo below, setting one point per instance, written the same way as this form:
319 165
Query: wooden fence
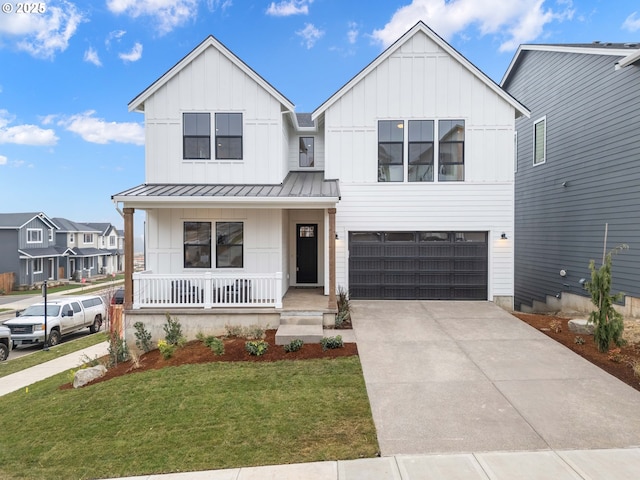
6 282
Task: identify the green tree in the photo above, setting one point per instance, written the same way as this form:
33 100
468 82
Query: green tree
609 324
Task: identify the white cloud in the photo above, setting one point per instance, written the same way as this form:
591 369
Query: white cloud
97 130
3 160
632 23
168 14
43 35
286 8
512 22
214 5
134 55
114 35
24 134
353 32
310 34
91 56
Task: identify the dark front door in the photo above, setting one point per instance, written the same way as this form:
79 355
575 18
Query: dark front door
307 253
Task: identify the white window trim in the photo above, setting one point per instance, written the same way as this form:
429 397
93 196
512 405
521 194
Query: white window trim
29 230
544 141
84 238
35 265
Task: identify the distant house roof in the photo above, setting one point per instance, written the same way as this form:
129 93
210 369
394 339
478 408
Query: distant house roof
104 228
629 51
296 187
86 252
72 227
137 104
14 221
305 120
421 27
43 252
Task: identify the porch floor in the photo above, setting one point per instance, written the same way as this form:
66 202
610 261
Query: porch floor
306 299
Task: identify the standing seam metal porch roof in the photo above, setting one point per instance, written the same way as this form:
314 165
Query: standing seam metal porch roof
296 185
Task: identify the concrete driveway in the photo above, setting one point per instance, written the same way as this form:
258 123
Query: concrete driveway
445 377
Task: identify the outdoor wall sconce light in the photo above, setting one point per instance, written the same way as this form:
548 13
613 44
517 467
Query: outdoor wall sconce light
337 238
503 236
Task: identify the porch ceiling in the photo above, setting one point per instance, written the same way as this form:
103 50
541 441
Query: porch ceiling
304 189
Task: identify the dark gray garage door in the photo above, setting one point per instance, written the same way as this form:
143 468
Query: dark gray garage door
418 265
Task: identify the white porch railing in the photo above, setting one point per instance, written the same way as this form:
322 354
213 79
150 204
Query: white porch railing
207 290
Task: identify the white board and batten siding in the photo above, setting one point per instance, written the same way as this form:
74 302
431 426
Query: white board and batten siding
212 83
421 81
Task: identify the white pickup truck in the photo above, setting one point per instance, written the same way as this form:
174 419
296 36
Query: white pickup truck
64 315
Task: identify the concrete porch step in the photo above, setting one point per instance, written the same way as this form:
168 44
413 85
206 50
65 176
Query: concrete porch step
307 333
301 318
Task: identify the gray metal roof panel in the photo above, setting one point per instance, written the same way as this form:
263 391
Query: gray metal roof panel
311 184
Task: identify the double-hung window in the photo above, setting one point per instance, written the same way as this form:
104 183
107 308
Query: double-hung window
421 150
306 152
540 141
451 150
390 150
229 245
87 238
34 235
196 136
229 136
197 244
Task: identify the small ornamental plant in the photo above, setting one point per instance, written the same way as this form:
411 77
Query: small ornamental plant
256 347
166 349
293 346
329 343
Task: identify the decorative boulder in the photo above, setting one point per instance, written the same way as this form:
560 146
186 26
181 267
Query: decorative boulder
86 375
581 326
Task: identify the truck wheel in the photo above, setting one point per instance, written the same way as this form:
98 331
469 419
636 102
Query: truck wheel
54 338
4 352
95 326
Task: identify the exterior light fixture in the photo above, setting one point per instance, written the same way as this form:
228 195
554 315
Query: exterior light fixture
503 236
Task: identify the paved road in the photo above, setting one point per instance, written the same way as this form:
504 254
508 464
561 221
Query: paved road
23 350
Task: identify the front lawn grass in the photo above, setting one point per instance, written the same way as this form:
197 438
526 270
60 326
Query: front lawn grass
188 418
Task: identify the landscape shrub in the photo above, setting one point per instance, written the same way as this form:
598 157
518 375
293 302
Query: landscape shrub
256 347
166 349
344 307
329 343
118 350
252 332
214 343
293 345
143 337
609 324
173 332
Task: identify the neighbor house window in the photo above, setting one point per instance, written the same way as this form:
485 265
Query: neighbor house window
196 136
197 244
451 150
229 245
540 141
37 265
112 241
306 152
229 136
88 238
34 235
390 150
51 234
421 150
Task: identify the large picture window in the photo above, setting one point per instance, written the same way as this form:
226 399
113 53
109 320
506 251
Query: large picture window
229 245
451 150
229 136
540 141
390 150
197 244
34 235
421 150
197 136
306 152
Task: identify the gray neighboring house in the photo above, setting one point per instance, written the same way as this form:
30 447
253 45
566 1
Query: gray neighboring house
82 243
28 248
111 243
577 169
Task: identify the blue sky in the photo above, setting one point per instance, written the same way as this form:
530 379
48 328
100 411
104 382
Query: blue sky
68 69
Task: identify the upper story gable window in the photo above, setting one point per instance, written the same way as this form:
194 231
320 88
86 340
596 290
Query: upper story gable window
88 238
306 152
229 136
34 235
540 141
196 136
390 150
451 150
421 150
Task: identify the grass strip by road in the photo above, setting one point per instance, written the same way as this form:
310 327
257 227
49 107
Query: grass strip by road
36 358
189 418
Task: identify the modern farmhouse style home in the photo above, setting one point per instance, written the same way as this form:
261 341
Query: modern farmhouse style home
399 186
